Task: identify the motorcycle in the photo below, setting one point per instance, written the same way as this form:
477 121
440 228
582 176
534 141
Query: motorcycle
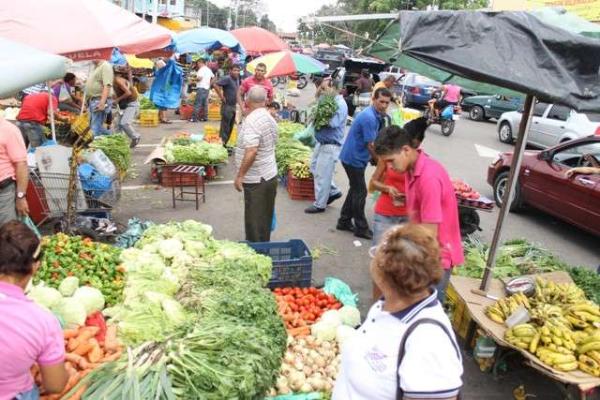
446 118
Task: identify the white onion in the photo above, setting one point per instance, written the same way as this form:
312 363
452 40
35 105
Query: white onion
306 388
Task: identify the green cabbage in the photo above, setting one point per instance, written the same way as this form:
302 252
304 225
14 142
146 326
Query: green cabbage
350 316
169 248
44 295
91 299
71 311
68 286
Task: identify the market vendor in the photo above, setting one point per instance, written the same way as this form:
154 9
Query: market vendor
28 333
406 348
13 173
65 93
34 115
127 99
99 89
257 79
430 196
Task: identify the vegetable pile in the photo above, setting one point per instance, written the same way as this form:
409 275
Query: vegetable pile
146 104
323 112
519 257
94 264
199 319
116 147
287 129
301 307
290 152
562 331
201 153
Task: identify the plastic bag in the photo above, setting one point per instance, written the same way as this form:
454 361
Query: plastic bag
341 291
135 230
397 118
93 182
306 136
166 88
31 225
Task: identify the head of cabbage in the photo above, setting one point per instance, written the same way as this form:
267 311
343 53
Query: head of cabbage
44 295
71 311
91 299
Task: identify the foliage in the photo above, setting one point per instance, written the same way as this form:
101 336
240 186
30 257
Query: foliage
202 153
116 148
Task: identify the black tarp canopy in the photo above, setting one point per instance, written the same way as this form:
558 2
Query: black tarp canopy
515 51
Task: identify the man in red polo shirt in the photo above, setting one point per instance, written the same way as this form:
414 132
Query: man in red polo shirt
257 79
431 200
33 116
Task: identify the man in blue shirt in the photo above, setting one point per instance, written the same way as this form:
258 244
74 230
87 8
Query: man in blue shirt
356 153
326 153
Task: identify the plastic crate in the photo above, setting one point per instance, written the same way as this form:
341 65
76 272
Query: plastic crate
292 262
148 118
186 111
214 112
300 189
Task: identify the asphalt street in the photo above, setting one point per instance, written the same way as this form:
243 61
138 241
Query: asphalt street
466 154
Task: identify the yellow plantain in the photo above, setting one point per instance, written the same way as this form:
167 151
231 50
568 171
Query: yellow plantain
584 348
568 366
588 370
534 342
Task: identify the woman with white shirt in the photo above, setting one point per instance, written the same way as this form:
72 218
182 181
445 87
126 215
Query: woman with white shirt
405 349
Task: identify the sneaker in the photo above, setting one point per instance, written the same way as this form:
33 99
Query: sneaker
334 197
314 210
134 142
345 226
366 234
193 120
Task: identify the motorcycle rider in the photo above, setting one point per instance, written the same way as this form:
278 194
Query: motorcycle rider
441 98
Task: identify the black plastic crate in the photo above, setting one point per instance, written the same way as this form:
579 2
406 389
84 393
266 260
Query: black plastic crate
292 262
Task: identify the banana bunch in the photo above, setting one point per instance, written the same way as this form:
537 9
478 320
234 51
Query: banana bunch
549 292
504 307
559 361
300 170
557 336
583 315
590 363
543 312
522 336
589 343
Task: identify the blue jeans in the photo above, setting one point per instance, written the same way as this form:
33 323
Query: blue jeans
381 223
323 167
98 118
33 133
201 103
33 394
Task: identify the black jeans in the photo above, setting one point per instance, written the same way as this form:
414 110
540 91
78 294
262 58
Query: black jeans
259 205
227 122
354 205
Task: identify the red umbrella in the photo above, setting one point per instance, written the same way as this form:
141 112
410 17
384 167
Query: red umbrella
79 29
259 41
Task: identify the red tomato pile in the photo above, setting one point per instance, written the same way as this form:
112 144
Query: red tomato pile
301 307
464 190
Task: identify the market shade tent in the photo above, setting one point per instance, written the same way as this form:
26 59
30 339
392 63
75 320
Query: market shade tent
284 63
258 41
515 50
79 29
22 66
206 39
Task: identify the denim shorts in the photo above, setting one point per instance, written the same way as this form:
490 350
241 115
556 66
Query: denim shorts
381 223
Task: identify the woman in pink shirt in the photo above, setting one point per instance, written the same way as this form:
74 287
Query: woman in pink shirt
431 200
28 333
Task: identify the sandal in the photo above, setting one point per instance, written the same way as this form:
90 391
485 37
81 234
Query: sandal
165 122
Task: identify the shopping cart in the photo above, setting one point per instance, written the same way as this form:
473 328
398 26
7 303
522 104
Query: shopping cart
75 205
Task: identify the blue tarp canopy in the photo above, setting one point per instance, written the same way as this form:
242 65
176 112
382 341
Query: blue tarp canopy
22 66
206 39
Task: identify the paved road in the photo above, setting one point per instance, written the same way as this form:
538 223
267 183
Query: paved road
224 211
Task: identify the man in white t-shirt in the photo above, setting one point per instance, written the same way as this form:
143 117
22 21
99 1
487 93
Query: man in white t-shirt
203 83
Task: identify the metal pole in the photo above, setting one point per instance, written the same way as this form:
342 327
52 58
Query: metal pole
515 168
51 110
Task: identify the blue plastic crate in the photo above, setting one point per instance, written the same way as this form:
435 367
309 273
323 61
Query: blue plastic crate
292 262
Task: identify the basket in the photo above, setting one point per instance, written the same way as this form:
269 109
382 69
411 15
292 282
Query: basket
186 111
81 124
300 189
460 317
292 262
148 118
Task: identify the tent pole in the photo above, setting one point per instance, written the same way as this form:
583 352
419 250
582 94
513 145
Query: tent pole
510 188
51 110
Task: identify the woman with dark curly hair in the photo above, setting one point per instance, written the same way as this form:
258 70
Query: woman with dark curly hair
28 333
405 349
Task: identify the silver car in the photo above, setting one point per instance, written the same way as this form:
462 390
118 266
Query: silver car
551 124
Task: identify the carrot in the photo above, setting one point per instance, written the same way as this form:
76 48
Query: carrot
77 395
112 357
72 344
84 348
77 359
96 354
84 334
70 333
301 331
110 340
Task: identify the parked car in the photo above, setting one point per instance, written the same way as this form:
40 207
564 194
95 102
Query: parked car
394 71
551 124
542 183
345 76
486 107
417 89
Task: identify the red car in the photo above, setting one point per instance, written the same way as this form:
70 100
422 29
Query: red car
543 184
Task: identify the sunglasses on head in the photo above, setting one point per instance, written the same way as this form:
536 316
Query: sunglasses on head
39 254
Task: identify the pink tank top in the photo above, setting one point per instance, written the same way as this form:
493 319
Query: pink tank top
452 93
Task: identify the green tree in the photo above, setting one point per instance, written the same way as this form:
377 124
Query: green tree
267 24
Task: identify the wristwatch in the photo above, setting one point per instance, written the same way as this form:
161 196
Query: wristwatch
20 195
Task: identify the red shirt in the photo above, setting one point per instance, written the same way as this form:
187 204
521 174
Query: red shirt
248 83
385 204
35 108
431 200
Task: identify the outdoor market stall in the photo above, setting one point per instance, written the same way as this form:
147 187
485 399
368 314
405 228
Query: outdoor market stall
514 50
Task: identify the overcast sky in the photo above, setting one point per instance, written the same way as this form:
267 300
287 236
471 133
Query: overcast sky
285 13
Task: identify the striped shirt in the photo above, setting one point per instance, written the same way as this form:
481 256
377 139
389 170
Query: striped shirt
259 129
